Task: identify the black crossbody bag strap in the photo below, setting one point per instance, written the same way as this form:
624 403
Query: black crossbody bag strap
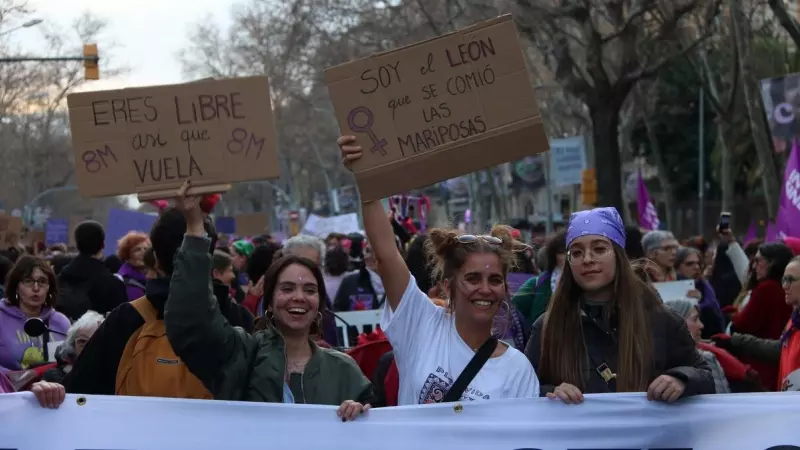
473 367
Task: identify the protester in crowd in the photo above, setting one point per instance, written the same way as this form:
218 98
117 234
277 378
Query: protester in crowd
418 263
336 265
230 362
633 242
149 259
31 292
113 263
130 250
5 268
691 314
240 252
312 248
58 262
222 276
305 246
129 353
688 263
432 345
785 351
606 330
334 240
363 289
78 335
257 266
532 298
662 248
647 271
86 283
766 312
730 269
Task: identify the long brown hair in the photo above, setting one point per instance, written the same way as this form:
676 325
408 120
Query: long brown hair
564 350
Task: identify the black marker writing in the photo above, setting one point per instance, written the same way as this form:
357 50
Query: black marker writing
471 52
428 67
438 135
124 110
142 141
166 169
208 107
380 77
188 136
396 103
461 84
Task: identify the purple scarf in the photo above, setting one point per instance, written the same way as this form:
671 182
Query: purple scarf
794 326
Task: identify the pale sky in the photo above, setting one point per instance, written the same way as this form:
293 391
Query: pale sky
147 34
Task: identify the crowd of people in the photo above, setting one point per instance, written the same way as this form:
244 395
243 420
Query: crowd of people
182 312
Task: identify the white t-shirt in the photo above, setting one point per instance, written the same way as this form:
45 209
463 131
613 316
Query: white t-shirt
430 355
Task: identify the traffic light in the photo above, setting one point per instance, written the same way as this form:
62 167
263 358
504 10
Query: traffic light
589 187
90 62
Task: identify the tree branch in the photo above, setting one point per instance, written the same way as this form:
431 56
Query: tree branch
786 20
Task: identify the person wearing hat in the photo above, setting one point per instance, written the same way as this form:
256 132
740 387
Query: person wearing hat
241 251
606 330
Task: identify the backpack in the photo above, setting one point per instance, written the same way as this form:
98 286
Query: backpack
149 366
73 299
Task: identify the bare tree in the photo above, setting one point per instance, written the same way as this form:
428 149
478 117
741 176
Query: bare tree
599 50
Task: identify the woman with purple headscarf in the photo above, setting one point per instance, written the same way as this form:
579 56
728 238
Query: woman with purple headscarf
605 330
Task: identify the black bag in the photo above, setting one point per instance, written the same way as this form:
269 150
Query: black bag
73 299
473 367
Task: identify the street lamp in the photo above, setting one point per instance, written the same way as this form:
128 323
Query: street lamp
28 24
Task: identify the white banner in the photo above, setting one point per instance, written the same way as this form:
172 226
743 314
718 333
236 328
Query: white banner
567 160
616 421
321 227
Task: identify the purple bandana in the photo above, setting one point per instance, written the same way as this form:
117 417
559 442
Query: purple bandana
604 222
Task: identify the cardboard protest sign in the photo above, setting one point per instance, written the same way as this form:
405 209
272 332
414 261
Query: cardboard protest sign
146 140
252 224
438 109
10 230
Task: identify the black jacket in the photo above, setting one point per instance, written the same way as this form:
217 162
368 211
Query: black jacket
105 291
674 353
357 293
237 315
95 370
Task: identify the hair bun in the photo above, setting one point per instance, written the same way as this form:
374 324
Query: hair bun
505 233
441 242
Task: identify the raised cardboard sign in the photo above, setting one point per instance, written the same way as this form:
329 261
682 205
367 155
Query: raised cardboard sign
438 109
10 230
252 224
141 140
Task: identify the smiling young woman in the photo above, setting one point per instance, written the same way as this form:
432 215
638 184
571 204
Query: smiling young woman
446 355
606 330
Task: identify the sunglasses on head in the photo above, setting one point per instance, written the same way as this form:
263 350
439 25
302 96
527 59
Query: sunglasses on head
472 238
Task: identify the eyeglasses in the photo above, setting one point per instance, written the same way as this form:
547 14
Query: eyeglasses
42 282
471 239
597 252
789 279
669 248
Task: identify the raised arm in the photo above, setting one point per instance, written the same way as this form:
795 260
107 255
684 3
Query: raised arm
391 267
214 351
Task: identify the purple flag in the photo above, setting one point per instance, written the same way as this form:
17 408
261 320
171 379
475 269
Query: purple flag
772 232
788 220
648 214
752 233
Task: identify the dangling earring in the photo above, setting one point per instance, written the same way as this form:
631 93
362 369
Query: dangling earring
270 317
318 321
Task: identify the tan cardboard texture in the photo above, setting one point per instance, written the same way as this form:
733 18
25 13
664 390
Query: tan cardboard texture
438 109
141 140
10 230
252 224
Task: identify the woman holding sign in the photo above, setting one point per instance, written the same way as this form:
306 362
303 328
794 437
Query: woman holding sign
446 355
279 364
606 330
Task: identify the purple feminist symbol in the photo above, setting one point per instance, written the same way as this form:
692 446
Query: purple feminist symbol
379 145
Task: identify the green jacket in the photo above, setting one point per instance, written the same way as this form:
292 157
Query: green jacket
234 365
530 301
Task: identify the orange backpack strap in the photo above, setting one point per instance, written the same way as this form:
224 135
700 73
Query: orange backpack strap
145 309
